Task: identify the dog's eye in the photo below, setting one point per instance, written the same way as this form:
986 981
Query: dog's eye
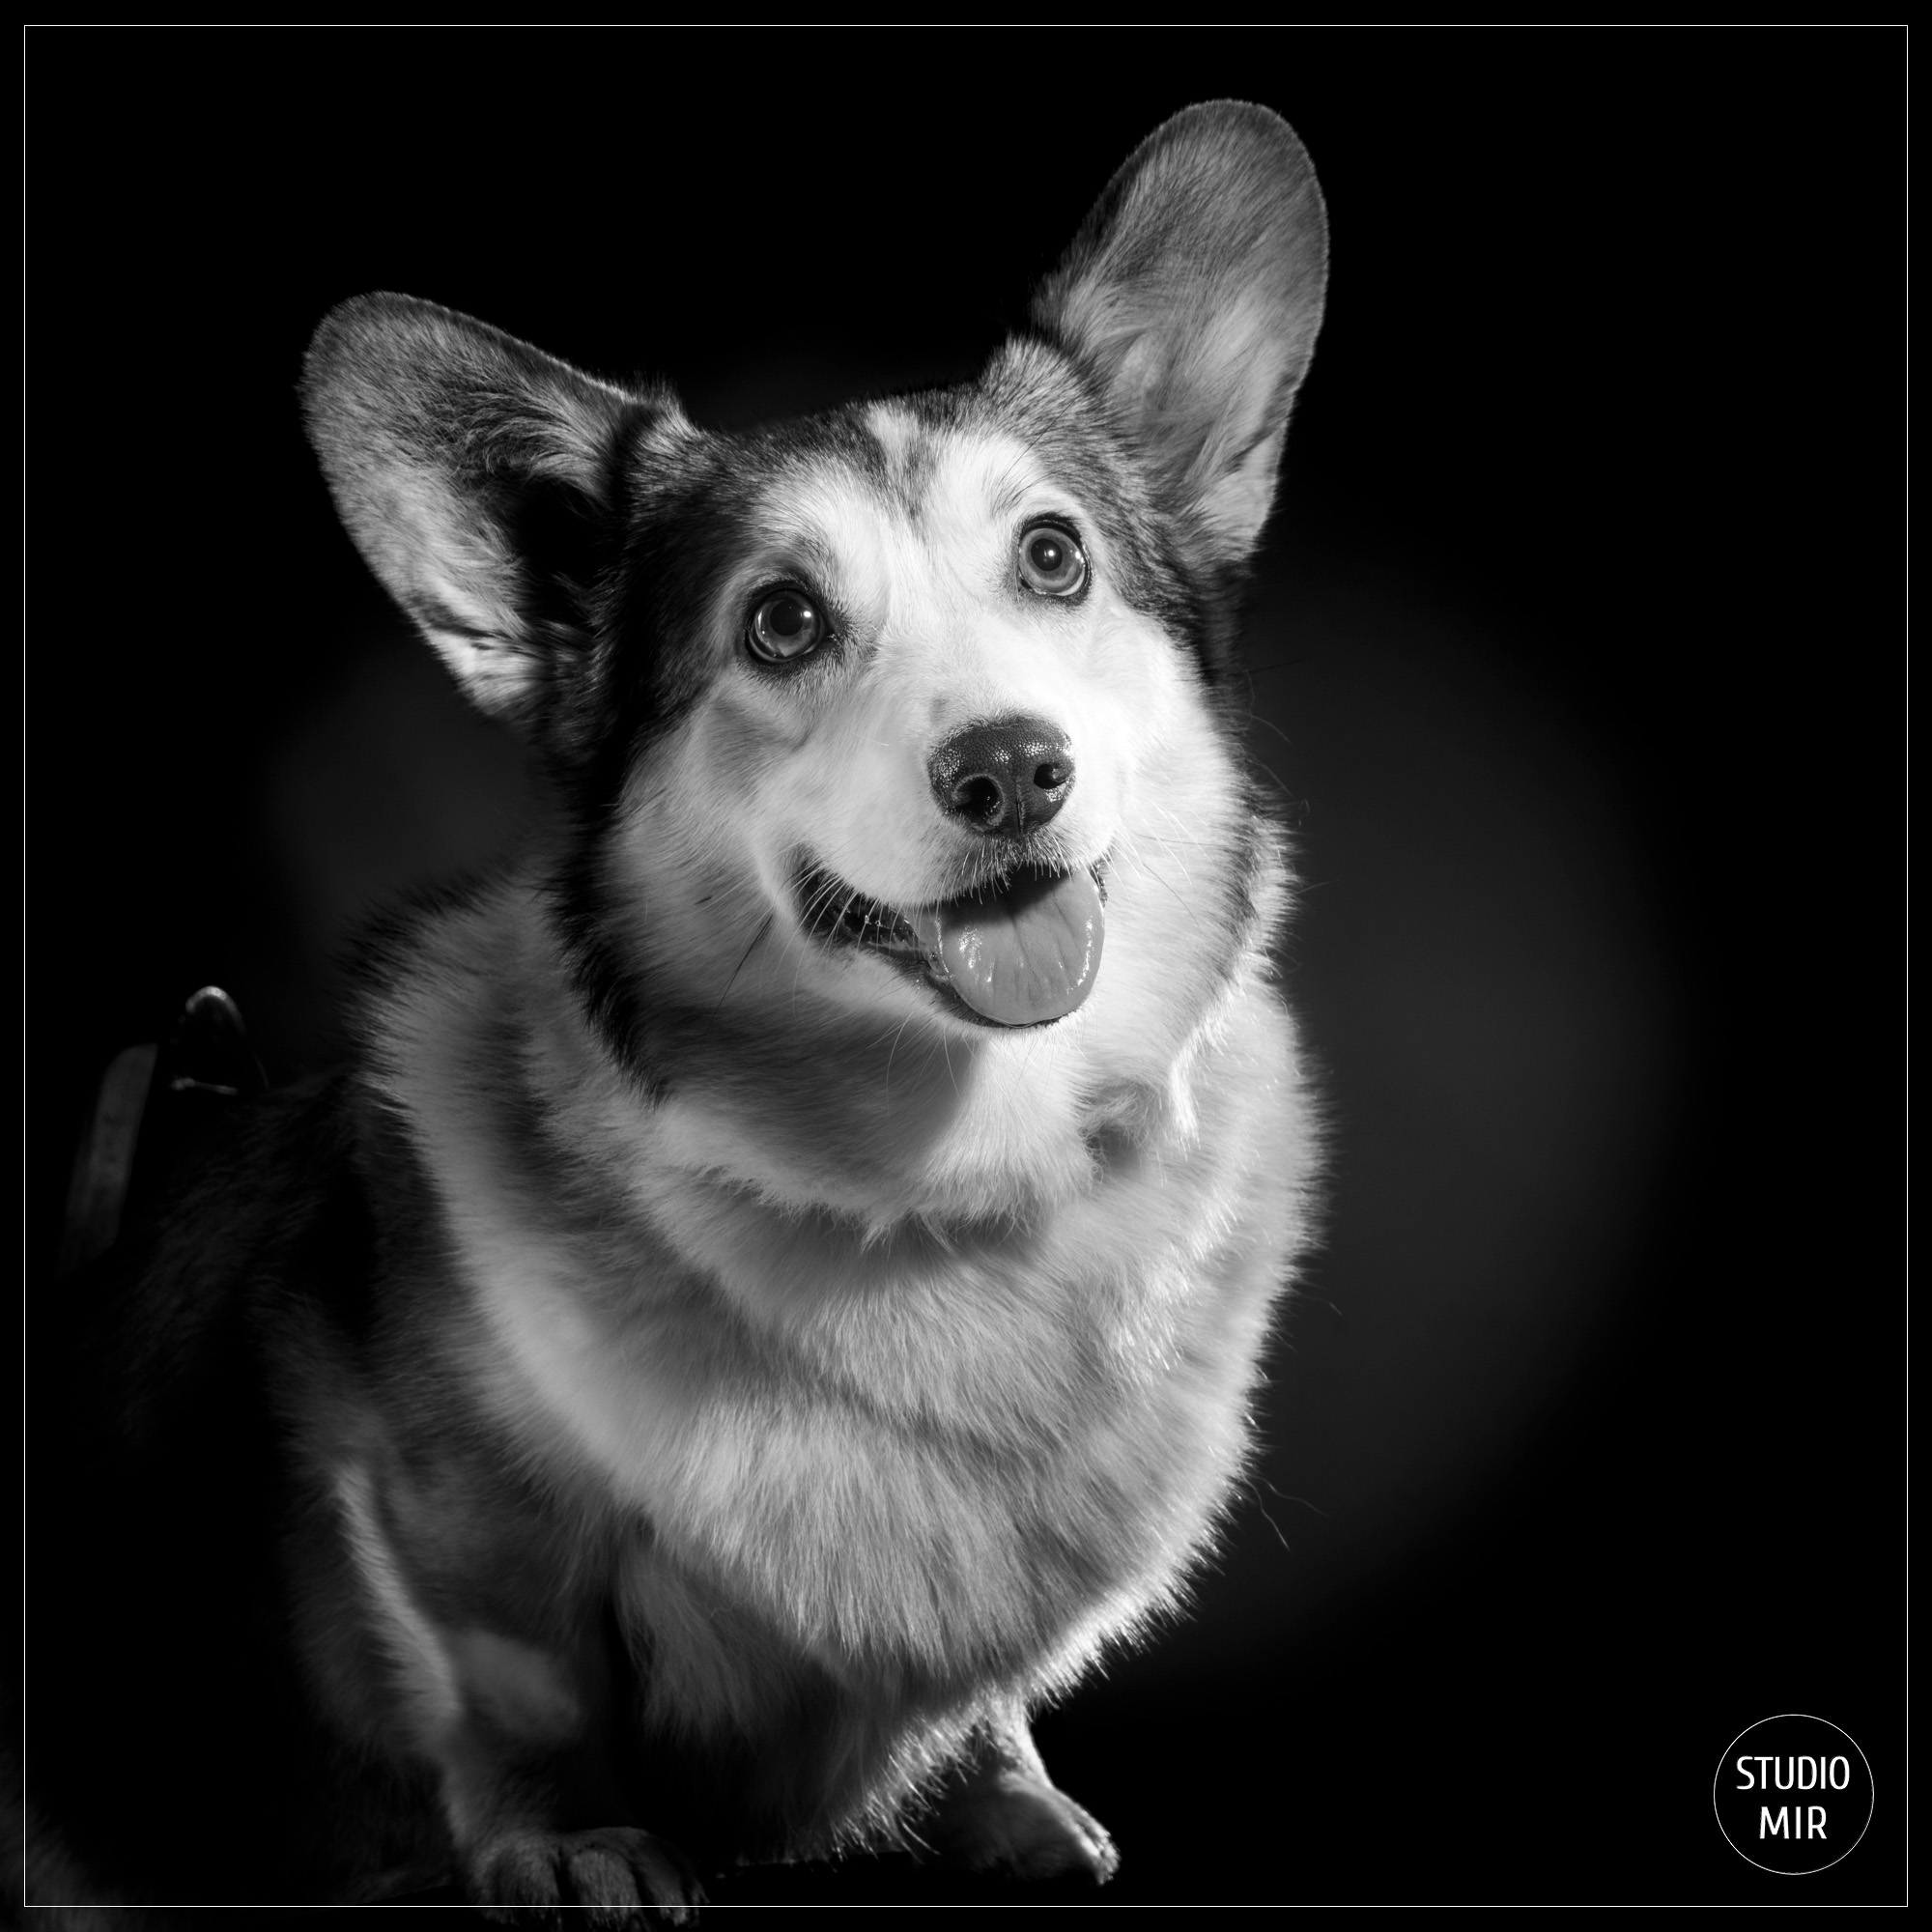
785 625
1051 562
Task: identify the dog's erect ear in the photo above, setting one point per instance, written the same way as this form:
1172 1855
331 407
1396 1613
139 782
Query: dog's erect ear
474 475
1192 295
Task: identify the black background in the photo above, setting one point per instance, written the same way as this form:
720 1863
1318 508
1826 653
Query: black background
1577 646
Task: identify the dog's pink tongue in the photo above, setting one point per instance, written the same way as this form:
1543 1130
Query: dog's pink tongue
1027 954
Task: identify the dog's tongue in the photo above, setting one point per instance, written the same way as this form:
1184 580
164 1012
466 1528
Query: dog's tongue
1026 953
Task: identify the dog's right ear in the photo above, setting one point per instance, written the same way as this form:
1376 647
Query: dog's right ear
478 476
1191 297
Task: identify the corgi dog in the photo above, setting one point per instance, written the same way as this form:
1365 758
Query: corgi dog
779 1290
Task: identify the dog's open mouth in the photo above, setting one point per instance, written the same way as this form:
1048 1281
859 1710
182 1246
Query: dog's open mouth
1022 952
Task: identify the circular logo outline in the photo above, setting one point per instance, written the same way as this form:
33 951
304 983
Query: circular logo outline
1870 1813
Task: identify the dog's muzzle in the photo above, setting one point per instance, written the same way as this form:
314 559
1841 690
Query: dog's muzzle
1023 951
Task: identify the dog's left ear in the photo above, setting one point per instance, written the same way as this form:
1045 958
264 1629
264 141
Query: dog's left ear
1192 296
474 475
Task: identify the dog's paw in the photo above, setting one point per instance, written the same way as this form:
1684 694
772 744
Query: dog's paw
624 1877
1025 1828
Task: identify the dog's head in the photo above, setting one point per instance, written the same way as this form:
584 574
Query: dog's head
898 741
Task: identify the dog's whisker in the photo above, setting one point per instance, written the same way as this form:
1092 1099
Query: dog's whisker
893 1052
764 926
1179 842
1128 848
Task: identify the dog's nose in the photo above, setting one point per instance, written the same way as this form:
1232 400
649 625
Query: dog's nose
1004 778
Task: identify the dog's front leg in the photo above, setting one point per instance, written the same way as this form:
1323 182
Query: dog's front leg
533 1801
1000 1811
519 1727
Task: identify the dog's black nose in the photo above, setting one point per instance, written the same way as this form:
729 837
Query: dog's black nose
1004 778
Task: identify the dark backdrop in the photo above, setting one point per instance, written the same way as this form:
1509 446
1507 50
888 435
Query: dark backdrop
1577 647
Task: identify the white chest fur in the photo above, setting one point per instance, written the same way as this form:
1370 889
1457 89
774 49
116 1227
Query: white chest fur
958 1454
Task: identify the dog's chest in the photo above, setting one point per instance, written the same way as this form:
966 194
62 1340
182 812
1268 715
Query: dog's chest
935 1455
983 1455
